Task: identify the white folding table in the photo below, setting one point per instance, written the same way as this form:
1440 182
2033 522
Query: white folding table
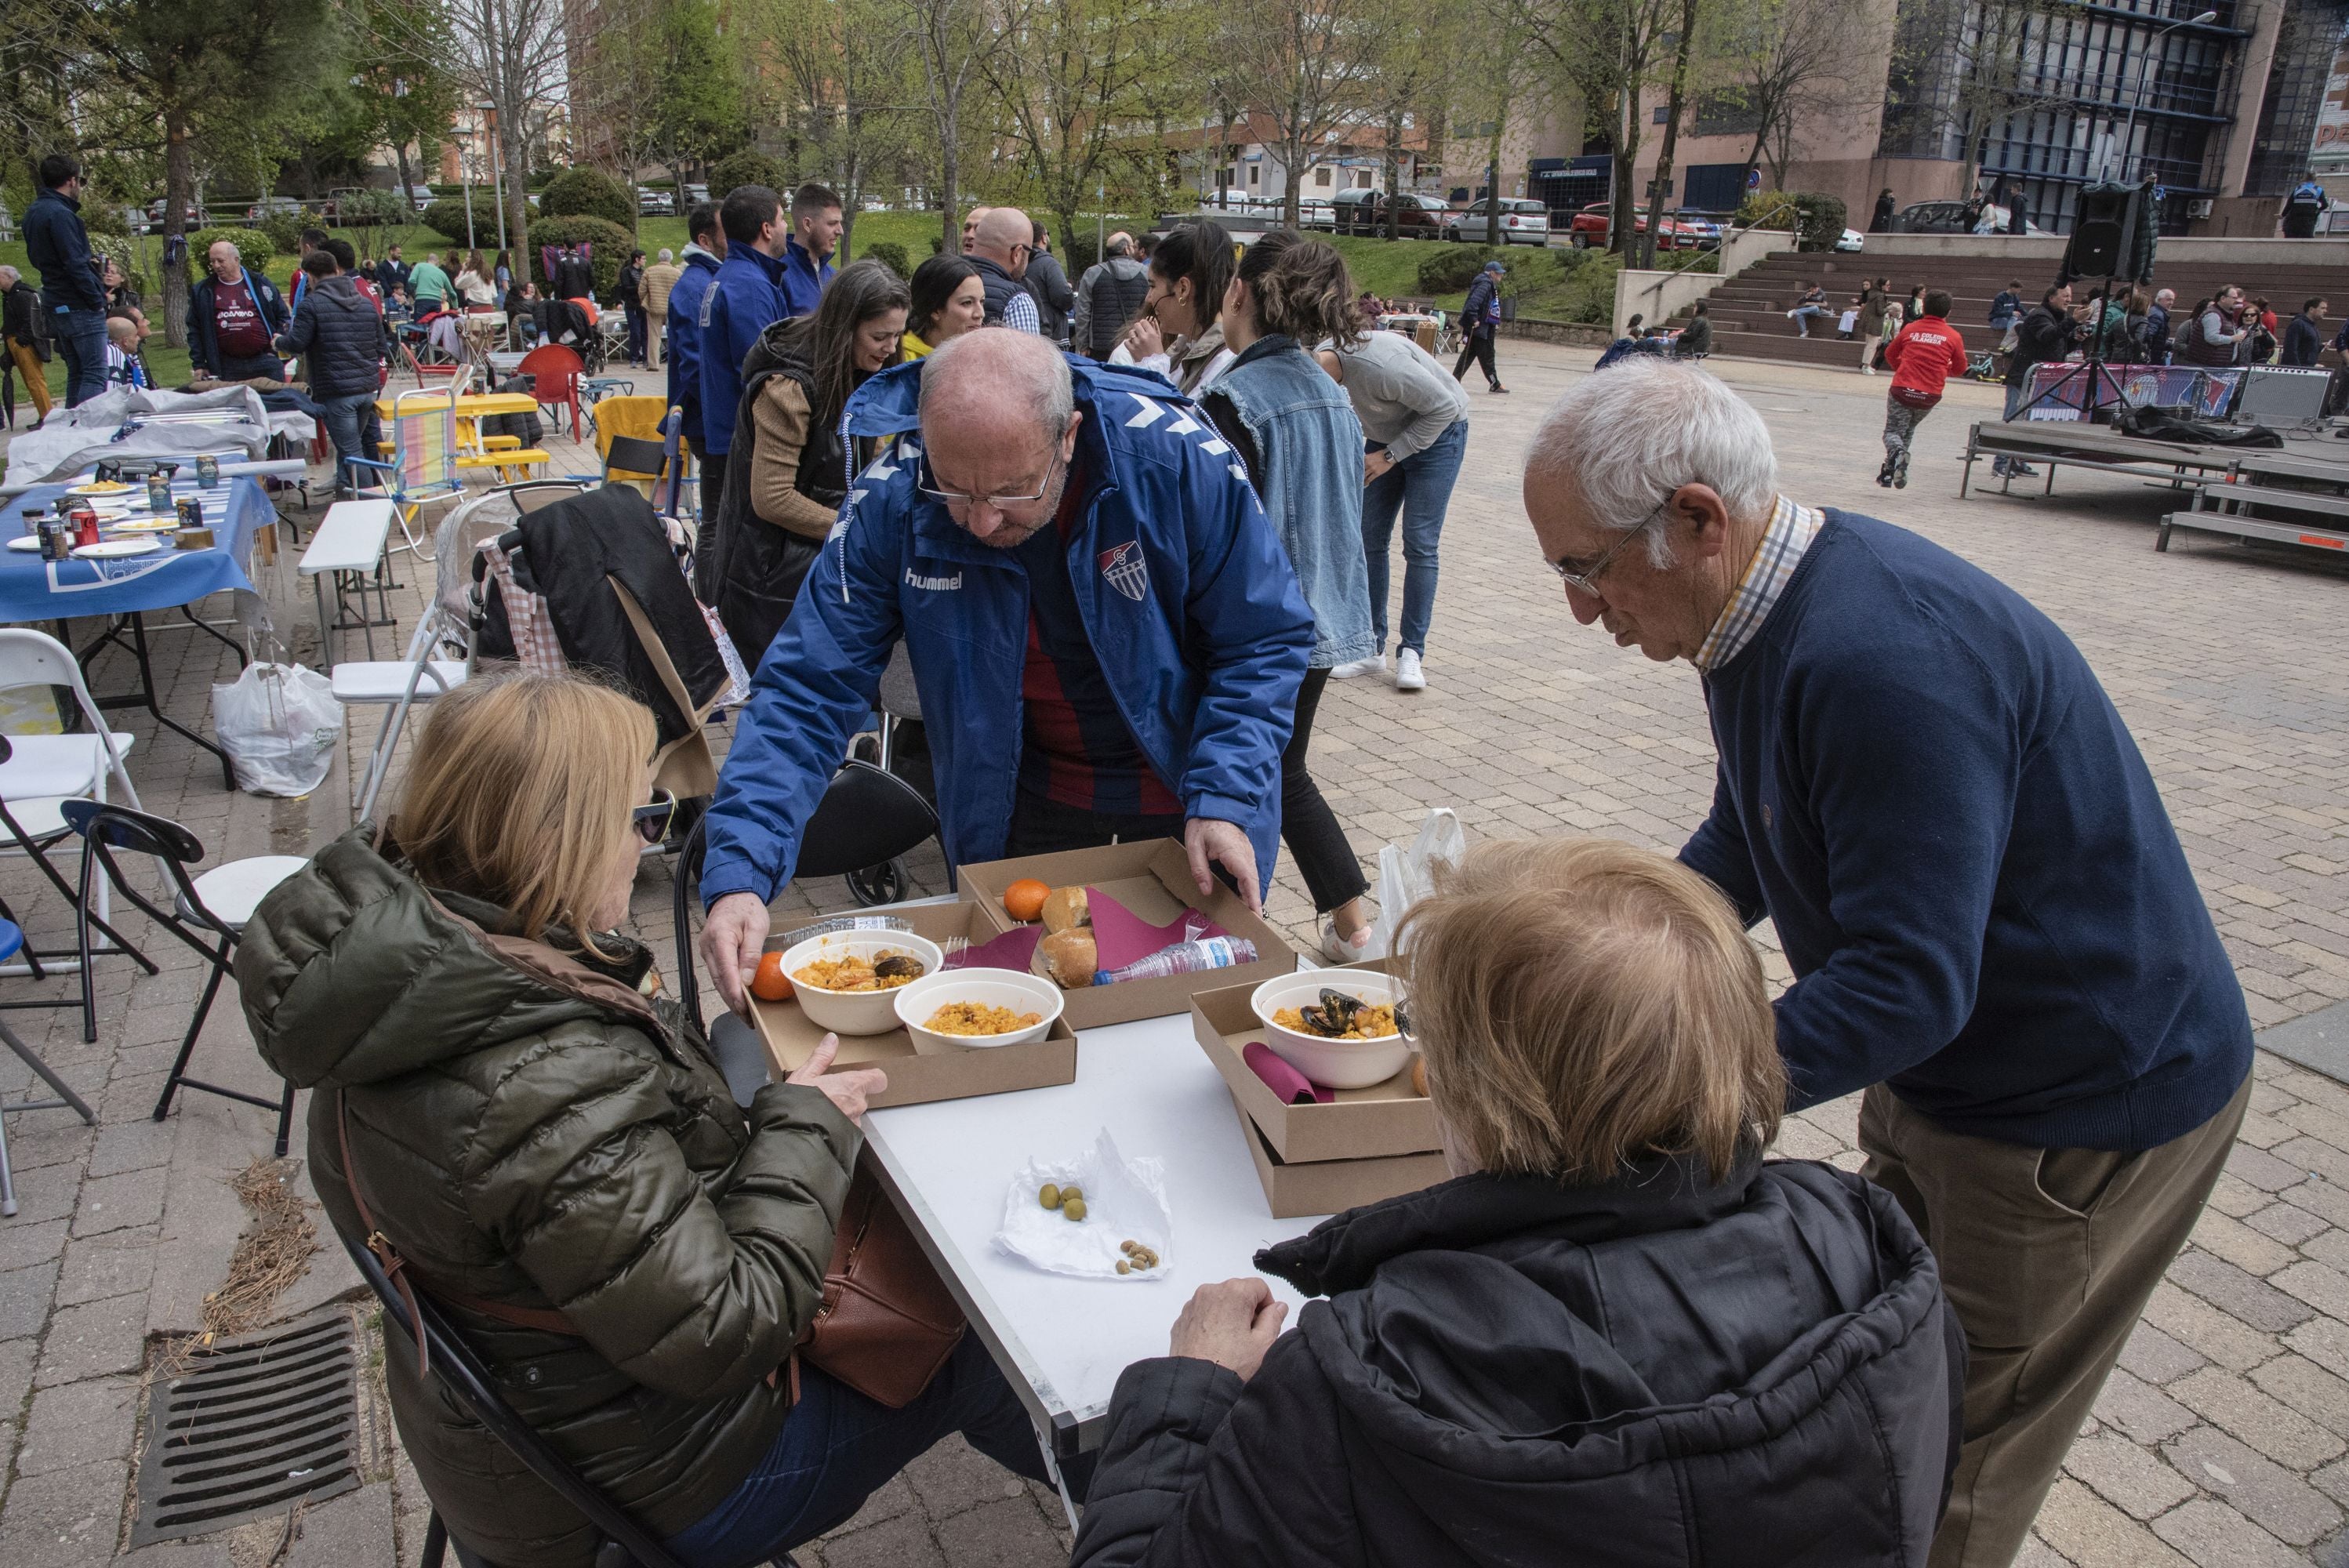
1062 1341
348 543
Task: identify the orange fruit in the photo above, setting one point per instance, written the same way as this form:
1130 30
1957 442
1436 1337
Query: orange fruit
1024 900
770 983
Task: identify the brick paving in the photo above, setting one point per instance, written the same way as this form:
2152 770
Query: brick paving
2222 1439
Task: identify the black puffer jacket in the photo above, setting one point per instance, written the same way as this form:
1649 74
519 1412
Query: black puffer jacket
338 337
1508 1371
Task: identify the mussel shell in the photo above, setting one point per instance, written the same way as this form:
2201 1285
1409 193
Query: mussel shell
1340 1006
1317 1022
896 964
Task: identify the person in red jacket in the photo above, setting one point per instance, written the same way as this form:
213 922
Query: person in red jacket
1923 355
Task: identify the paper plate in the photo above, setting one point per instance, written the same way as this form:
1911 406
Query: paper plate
29 543
112 548
101 486
146 525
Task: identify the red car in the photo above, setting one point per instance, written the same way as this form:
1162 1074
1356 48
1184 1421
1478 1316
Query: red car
1591 224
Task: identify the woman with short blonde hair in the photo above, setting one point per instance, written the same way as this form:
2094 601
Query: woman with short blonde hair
503 1092
1617 1332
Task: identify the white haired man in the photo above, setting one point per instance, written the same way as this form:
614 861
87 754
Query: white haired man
1106 634
1994 929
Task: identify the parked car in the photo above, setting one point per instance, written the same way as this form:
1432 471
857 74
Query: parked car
1523 222
652 201
154 216
1417 217
1590 227
268 204
1852 240
696 193
1703 229
1950 218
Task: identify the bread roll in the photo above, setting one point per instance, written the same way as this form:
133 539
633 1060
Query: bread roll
1419 1074
1067 958
1065 909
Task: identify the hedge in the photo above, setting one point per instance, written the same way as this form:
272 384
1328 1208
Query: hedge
611 245
588 193
890 254
254 245
749 168
446 218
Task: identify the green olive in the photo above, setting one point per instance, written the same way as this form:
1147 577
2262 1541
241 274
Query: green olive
1073 1208
1050 1196
1072 1191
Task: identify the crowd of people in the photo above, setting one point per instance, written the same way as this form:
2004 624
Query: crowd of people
1617 1317
1120 627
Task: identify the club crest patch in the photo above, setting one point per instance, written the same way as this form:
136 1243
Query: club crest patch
1124 570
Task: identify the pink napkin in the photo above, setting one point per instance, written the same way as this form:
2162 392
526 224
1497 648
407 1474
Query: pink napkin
1120 936
1293 1087
1012 950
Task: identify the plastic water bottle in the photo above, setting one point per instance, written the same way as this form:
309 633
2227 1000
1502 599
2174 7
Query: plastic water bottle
1183 958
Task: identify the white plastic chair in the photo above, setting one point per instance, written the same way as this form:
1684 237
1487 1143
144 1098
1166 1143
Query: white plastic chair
43 771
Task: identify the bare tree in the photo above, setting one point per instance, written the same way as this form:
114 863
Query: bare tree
951 41
1066 83
1417 44
1309 60
1960 67
1611 49
1773 65
509 54
1676 103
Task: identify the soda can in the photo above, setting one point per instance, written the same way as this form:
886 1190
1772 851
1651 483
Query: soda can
191 511
207 471
159 493
85 526
54 535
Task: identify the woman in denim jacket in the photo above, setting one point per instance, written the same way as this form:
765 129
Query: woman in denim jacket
1295 432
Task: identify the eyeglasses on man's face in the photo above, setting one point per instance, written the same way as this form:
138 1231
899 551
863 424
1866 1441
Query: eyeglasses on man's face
927 483
1584 579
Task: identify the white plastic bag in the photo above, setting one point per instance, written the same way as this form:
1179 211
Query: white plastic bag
279 724
1406 876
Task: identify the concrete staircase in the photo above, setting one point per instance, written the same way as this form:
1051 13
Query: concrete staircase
1749 311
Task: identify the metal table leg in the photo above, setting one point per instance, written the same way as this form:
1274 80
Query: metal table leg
145 696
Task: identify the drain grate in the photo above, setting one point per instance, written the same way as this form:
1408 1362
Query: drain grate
252 1424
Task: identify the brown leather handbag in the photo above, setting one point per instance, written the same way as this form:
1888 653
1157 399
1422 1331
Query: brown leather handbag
888 1323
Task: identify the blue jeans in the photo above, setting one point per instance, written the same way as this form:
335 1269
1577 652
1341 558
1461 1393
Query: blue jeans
353 424
80 336
1805 314
838 1447
1420 488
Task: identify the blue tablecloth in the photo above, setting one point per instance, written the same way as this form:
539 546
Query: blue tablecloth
31 589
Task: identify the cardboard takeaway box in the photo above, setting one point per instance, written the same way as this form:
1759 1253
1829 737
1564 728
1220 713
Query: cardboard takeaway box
1153 879
1370 1143
914 1079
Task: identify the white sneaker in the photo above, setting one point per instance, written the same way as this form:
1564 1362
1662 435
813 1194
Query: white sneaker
1408 675
1376 665
1338 950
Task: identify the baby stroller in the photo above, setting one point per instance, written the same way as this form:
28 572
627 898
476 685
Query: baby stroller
562 321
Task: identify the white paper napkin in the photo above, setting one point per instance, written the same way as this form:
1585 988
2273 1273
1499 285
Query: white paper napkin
1126 1200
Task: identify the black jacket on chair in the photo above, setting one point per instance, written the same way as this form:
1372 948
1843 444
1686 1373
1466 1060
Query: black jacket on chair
1508 1371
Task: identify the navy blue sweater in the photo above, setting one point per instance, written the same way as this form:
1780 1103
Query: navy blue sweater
1923 785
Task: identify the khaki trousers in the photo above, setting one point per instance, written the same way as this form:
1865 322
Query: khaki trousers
36 374
2049 1256
655 328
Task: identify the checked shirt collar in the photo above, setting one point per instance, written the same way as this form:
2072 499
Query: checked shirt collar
1791 529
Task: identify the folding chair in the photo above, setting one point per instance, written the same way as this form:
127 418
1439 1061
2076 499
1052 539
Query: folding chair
38 774
413 1319
555 371
865 824
676 458
11 939
423 467
217 904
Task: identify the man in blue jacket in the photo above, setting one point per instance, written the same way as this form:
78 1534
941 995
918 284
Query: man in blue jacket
56 243
807 255
704 252
1106 634
232 316
745 298
1992 927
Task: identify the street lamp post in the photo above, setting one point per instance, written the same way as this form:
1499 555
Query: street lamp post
2152 52
489 112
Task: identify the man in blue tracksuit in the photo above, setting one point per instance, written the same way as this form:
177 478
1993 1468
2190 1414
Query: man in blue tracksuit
807 255
704 253
1106 634
56 243
1994 929
745 298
